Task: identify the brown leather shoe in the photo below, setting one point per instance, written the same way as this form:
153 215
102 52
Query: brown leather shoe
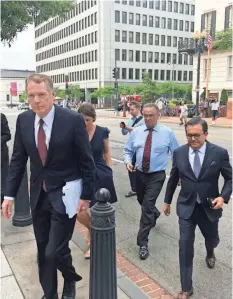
184 295
210 261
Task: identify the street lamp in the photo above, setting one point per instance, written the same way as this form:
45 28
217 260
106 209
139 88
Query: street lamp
195 46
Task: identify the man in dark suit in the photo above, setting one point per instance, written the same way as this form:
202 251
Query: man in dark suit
56 141
198 164
5 136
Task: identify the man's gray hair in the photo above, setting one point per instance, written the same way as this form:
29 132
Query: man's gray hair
151 105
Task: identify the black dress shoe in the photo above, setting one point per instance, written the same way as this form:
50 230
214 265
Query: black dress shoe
143 252
69 290
210 261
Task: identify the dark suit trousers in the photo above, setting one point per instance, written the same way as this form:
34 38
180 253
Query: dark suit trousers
149 186
132 179
53 232
209 231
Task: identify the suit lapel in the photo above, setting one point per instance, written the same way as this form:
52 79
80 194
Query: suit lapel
187 163
207 159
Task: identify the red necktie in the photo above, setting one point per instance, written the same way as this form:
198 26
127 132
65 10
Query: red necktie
147 152
42 148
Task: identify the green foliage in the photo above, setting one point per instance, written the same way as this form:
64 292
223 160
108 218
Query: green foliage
75 92
223 40
188 96
173 103
60 93
103 92
23 97
17 15
224 97
203 95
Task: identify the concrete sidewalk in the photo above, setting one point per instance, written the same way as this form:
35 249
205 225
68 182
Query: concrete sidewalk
19 274
221 122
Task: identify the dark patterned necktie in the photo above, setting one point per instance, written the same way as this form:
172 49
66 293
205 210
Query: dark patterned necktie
196 164
147 152
42 148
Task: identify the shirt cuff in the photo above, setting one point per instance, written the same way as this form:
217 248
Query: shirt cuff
8 198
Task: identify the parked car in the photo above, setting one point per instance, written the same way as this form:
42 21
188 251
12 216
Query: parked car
23 106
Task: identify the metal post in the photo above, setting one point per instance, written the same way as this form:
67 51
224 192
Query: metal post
198 81
103 278
22 216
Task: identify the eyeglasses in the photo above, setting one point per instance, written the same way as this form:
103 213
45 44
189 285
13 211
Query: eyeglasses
196 136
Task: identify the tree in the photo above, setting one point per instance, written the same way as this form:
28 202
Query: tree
224 97
223 40
103 92
188 95
23 97
60 93
148 88
17 15
75 92
203 95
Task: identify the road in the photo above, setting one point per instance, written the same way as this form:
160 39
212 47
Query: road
162 265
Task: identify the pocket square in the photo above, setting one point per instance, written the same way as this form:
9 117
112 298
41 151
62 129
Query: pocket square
213 163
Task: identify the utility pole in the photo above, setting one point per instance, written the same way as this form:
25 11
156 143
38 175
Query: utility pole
67 89
115 76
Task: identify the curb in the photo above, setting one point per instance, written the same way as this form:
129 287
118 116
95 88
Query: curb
130 279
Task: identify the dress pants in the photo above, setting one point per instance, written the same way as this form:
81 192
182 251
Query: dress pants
209 231
53 232
132 179
149 186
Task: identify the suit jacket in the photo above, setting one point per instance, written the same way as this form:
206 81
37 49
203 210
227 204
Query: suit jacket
216 162
5 136
69 157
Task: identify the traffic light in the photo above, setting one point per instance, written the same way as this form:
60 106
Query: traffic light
114 73
116 85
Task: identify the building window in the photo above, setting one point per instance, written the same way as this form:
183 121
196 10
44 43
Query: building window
117 35
169 41
163 40
144 3
124 17
123 73
130 74
124 36
150 21
156 39
185 59
181 7
179 75
193 10
117 54
157 4
130 37
206 72
228 17
137 19
175 6
131 18
138 3
150 56
151 4
150 39
124 2
164 5
150 73
190 60
156 75
156 57
168 77
186 25
143 56
174 41
185 78
169 58
181 25
174 58
144 39
156 22
162 75
137 74
144 20
124 55
169 23
137 37
130 55
117 16
163 23
137 56
191 76
162 57
175 24
192 27
229 67
187 9
180 58
131 3
170 6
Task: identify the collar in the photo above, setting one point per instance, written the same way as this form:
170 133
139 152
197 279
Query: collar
48 119
156 128
201 150
136 117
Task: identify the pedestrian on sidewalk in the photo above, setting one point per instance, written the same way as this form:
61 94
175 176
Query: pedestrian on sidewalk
136 121
5 137
198 164
151 143
183 113
99 140
214 108
62 179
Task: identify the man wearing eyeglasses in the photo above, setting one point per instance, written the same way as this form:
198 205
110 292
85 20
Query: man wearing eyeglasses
152 143
198 164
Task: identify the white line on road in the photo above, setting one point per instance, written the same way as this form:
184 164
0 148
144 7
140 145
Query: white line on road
122 162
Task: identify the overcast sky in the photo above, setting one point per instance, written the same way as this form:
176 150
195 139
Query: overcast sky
21 55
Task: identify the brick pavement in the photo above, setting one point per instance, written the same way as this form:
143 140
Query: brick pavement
221 122
136 275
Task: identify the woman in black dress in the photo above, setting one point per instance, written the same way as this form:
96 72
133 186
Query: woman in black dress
98 137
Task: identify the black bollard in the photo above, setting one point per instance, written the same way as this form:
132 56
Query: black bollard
22 216
103 278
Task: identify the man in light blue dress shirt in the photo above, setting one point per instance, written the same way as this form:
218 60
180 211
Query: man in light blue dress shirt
152 144
137 120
